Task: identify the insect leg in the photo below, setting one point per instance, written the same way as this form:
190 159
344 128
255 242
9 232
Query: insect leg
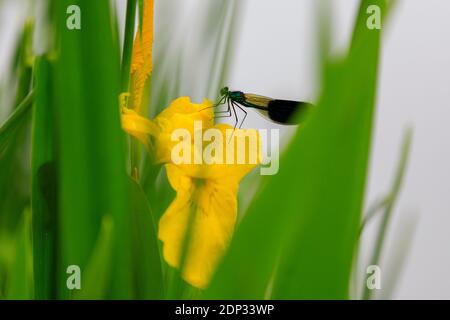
221 112
228 111
243 110
221 101
223 116
231 106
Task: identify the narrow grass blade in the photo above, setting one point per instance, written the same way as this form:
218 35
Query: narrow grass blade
373 211
397 260
24 62
128 44
392 199
141 15
228 22
15 121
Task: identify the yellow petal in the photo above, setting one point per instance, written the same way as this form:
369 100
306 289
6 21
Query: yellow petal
211 206
183 105
246 143
132 121
181 114
137 126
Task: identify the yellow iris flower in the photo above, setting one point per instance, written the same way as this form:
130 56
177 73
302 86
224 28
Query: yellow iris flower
206 200
206 196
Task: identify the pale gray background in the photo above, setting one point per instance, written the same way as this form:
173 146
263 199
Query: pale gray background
275 57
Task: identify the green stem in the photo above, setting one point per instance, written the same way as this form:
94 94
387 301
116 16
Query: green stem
128 44
373 211
44 190
390 203
126 66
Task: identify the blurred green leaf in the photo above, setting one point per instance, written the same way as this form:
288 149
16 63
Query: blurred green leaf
14 122
146 255
24 95
14 139
92 178
96 278
20 282
7 249
158 189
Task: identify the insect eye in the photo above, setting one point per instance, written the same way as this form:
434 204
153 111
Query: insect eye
224 91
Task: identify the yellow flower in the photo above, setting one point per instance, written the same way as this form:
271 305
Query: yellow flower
206 201
206 194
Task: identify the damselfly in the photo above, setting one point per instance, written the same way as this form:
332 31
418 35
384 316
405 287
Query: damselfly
279 111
